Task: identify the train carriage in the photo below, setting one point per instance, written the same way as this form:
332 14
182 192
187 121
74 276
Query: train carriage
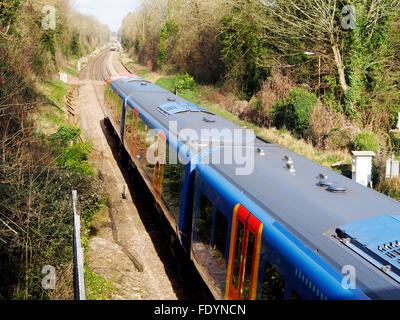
289 229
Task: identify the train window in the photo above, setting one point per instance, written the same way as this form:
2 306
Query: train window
109 96
172 180
220 233
143 129
119 112
249 264
128 135
273 286
238 248
141 146
204 219
113 105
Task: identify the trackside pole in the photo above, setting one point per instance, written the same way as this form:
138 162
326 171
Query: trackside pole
79 280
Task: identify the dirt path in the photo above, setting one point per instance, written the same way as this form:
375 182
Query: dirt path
120 236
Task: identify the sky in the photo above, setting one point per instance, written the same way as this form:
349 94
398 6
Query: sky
108 12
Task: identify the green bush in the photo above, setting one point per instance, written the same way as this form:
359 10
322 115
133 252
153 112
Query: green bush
295 111
184 82
181 82
366 141
66 134
75 158
394 115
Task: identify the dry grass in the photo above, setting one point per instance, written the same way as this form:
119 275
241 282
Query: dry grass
64 284
285 139
330 130
277 87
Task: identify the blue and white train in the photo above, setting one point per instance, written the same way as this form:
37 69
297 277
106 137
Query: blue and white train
290 229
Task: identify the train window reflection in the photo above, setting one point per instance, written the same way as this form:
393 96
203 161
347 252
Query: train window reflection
273 286
220 233
238 254
113 105
204 219
142 143
172 180
129 128
248 268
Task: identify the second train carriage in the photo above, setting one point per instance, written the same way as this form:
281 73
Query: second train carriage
281 231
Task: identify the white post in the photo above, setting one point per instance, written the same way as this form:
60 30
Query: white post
392 168
362 167
78 253
398 122
79 65
63 77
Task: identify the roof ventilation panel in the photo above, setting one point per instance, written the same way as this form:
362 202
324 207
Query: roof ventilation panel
179 107
377 240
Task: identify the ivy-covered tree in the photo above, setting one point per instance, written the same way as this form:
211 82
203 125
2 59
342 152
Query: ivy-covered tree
169 31
75 46
352 35
244 48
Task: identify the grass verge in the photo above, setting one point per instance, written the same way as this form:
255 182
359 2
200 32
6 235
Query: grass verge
97 287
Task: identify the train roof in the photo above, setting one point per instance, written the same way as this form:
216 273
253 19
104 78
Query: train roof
292 195
176 115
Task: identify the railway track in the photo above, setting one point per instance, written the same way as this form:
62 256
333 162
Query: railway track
178 267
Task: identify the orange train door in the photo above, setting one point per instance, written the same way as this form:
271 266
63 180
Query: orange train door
244 255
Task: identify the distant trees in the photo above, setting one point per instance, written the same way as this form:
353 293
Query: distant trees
344 52
180 33
244 39
21 23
